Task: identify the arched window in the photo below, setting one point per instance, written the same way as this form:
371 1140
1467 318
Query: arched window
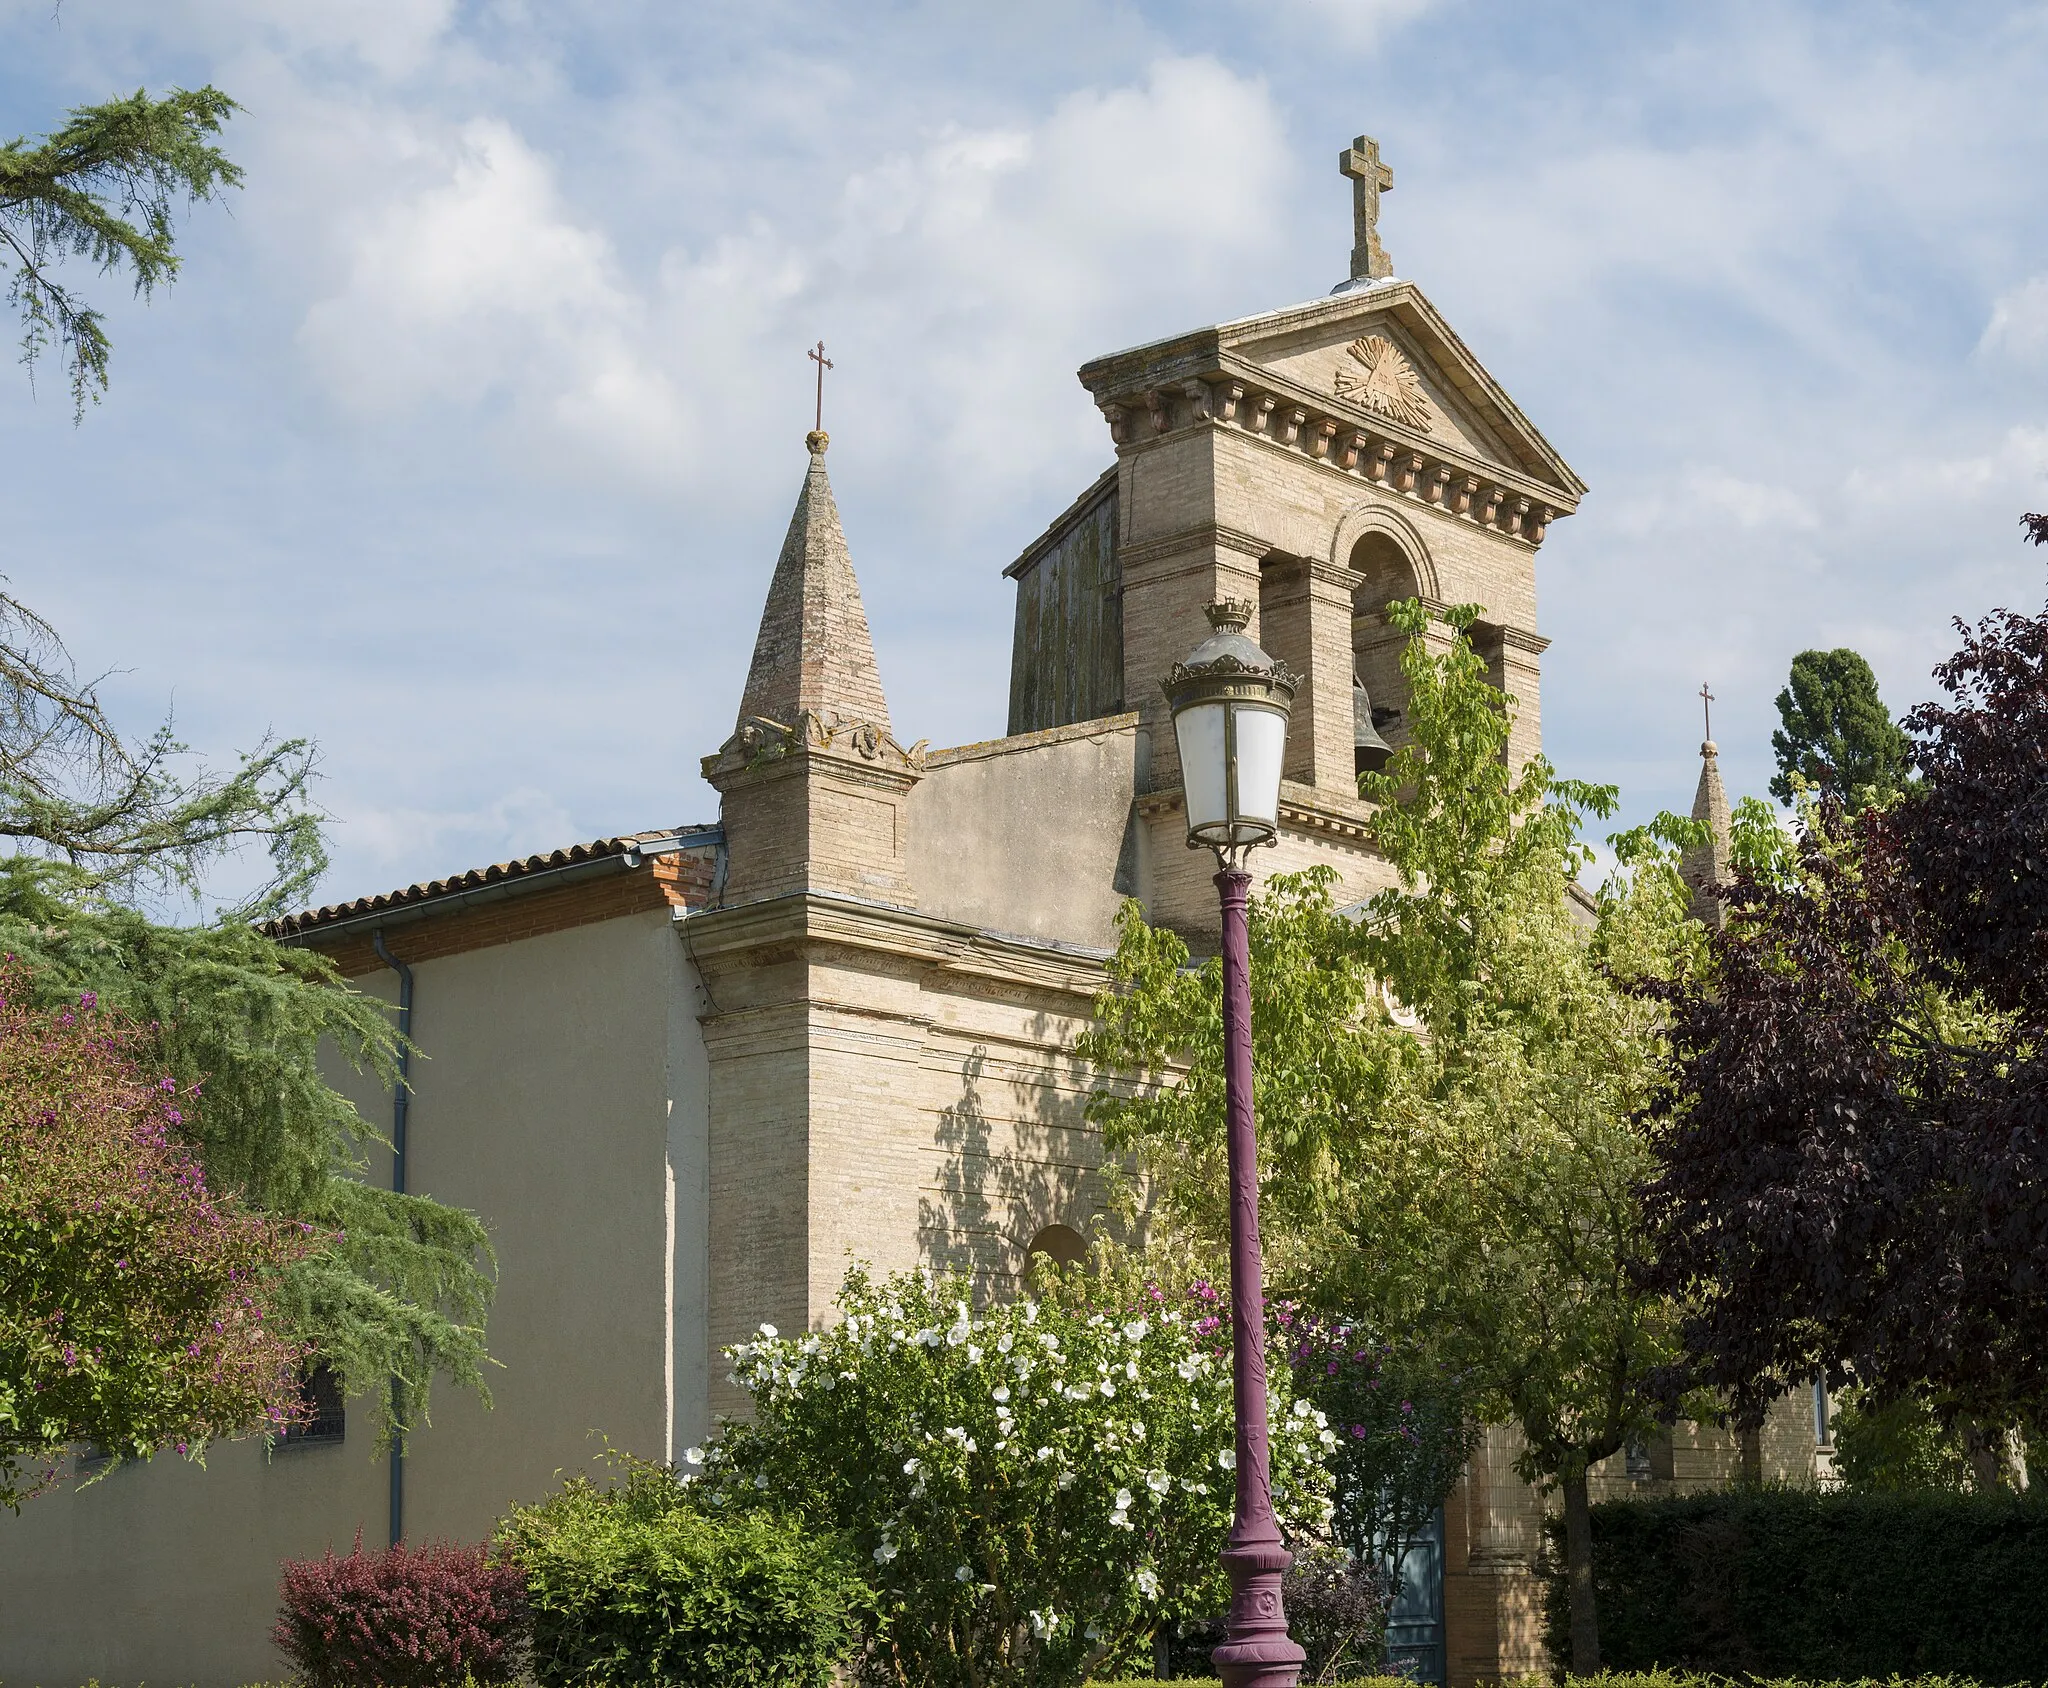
1387 576
1061 1244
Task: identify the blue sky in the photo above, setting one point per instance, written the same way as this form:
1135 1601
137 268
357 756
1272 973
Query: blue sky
467 439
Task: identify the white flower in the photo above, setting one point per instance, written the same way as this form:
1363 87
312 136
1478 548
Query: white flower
1001 1392
1158 1482
761 1482
1135 1330
1108 1389
1189 1367
963 1573
1123 1500
768 1331
1227 1459
1003 1346
911 1466
1044 1623
1066 1480
1092 1633
693 1456
1148 1583
1131 1370
1043 1453
886 1552
973 1355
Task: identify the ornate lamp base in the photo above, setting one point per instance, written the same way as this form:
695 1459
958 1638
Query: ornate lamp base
1257 1651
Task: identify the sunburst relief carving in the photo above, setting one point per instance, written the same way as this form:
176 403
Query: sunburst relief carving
1388 383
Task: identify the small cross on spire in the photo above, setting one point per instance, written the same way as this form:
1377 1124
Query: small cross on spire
1707 709
817 356
1369 179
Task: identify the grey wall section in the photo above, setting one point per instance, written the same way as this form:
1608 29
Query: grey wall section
1031 834
562 1096
1067 653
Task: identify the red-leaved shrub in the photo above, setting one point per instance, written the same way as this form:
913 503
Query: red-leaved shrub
403 1618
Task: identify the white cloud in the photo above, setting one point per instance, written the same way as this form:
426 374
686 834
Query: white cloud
960 281
2019 323
423 844
478 288
1708 496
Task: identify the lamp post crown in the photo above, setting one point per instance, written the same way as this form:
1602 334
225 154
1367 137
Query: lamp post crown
1229 615
1229 663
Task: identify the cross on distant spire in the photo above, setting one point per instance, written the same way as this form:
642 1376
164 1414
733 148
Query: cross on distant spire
1369 179
824 363
1707 709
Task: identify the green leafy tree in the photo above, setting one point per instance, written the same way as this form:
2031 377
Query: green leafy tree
137 1307
103 188
1837 734
1474 1184
401 1288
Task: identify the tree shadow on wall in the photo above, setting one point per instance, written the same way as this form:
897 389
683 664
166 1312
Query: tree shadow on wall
1017 1159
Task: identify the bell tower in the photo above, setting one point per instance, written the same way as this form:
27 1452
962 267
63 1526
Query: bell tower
1322 461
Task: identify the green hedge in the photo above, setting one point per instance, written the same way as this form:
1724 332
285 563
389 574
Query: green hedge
1825 1587
629 1584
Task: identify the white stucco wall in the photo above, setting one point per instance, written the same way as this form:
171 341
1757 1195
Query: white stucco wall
563 1098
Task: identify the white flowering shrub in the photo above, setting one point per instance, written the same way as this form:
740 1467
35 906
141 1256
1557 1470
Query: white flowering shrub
1037 1487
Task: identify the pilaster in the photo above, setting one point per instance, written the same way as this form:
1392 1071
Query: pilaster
1305 621
1168 584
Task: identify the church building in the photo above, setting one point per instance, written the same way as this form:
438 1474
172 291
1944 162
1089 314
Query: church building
686 1075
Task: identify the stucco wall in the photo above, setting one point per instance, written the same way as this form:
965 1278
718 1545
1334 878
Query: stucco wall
563 1099
1024 834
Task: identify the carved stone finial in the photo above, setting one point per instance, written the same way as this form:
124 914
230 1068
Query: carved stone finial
816 441
1229 615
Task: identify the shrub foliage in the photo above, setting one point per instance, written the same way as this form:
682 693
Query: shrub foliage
1035 1488
403 1618
1783 1583
135 1303
631 1583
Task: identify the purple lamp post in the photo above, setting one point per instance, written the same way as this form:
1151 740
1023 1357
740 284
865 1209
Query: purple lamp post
1230 702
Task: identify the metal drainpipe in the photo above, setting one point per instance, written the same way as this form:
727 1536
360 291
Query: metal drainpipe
401 1099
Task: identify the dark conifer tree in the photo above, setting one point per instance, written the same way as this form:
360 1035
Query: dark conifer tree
1837 735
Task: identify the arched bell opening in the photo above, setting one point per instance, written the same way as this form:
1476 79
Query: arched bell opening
1379 694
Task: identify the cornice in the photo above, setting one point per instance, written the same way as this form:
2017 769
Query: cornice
806 919
1213 535
1303 809
1326 434
1146 377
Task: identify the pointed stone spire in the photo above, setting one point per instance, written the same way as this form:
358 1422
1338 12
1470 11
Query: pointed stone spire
1707 864
813 653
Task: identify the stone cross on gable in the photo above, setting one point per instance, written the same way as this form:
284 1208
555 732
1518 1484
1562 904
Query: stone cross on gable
1369 179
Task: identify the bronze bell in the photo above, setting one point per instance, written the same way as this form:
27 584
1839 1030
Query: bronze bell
1369 752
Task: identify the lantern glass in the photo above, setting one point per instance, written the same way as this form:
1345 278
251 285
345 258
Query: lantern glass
1230 756
1261 734
1202 733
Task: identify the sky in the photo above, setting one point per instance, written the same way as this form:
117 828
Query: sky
465 442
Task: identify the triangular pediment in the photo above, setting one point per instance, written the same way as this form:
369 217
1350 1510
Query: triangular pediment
1382 357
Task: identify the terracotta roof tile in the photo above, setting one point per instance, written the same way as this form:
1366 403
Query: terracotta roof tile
600 849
